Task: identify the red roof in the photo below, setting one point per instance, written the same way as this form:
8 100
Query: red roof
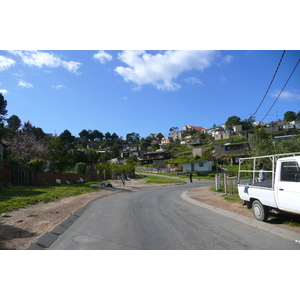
197 128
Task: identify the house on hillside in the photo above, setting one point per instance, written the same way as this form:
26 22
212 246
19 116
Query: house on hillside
196 142
237 128
167 140
156 137
202 167
271 127
211 132
228 148
130 151
222 135
196 128
150 157
199 151
177 135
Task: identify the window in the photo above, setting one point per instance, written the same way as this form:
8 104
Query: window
288 170
201 165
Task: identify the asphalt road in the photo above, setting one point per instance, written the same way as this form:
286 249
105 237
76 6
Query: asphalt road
160 219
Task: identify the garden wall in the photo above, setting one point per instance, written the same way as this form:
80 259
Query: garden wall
50 178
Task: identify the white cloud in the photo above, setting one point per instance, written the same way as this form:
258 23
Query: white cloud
5 63
24 84
40 59
222 79
162 68
59 86
193 80
227 59
287 96
2 91
102 56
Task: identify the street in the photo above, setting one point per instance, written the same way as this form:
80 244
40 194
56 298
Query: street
160 219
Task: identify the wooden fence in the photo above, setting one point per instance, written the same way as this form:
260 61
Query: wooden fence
229 183
18 175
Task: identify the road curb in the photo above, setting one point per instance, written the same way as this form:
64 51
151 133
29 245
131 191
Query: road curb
284 233
47 238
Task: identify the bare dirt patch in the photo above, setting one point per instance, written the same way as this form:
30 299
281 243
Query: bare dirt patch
20 228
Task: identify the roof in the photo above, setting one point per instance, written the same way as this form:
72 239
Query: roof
197 128
194 161
155 134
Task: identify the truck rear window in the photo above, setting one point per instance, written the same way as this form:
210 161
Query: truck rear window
288 170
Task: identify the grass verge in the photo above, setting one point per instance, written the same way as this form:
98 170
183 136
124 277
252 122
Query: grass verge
17 197
160 180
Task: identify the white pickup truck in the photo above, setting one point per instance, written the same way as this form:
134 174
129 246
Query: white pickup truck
281 189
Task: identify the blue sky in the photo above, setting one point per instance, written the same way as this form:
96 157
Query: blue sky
145 91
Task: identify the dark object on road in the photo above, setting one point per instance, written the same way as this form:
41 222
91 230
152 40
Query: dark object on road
106 185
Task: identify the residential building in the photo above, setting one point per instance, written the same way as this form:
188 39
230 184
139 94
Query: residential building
130 151
222 135
196 142
196 128
288 126
156 137
230 149
237 128
271 128
199 166
167 140
198 151
149 157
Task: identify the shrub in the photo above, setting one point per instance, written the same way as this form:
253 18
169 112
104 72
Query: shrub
37 164
80 168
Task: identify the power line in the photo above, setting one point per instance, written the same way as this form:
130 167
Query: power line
269 84
282 89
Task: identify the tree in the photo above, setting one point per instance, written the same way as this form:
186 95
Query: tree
172 130
232 121
107 136
27 126
289 116
247 124
145 143
114 137
84 134
115 150
39 133
67 137
61 159
24 146
98 135
14 123
3 110
132 138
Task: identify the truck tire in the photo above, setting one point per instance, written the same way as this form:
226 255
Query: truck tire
261 212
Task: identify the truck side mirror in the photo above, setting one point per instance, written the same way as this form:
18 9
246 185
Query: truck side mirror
297 178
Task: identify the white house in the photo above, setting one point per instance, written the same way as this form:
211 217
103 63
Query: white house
200 166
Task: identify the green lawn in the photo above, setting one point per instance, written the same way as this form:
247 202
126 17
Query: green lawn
155 179
14 198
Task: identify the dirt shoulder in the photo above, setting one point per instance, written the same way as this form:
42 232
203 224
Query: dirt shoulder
20 228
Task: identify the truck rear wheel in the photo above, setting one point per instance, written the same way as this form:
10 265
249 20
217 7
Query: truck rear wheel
261 212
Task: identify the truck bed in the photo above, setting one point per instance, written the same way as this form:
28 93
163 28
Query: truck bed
266 184
260 190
